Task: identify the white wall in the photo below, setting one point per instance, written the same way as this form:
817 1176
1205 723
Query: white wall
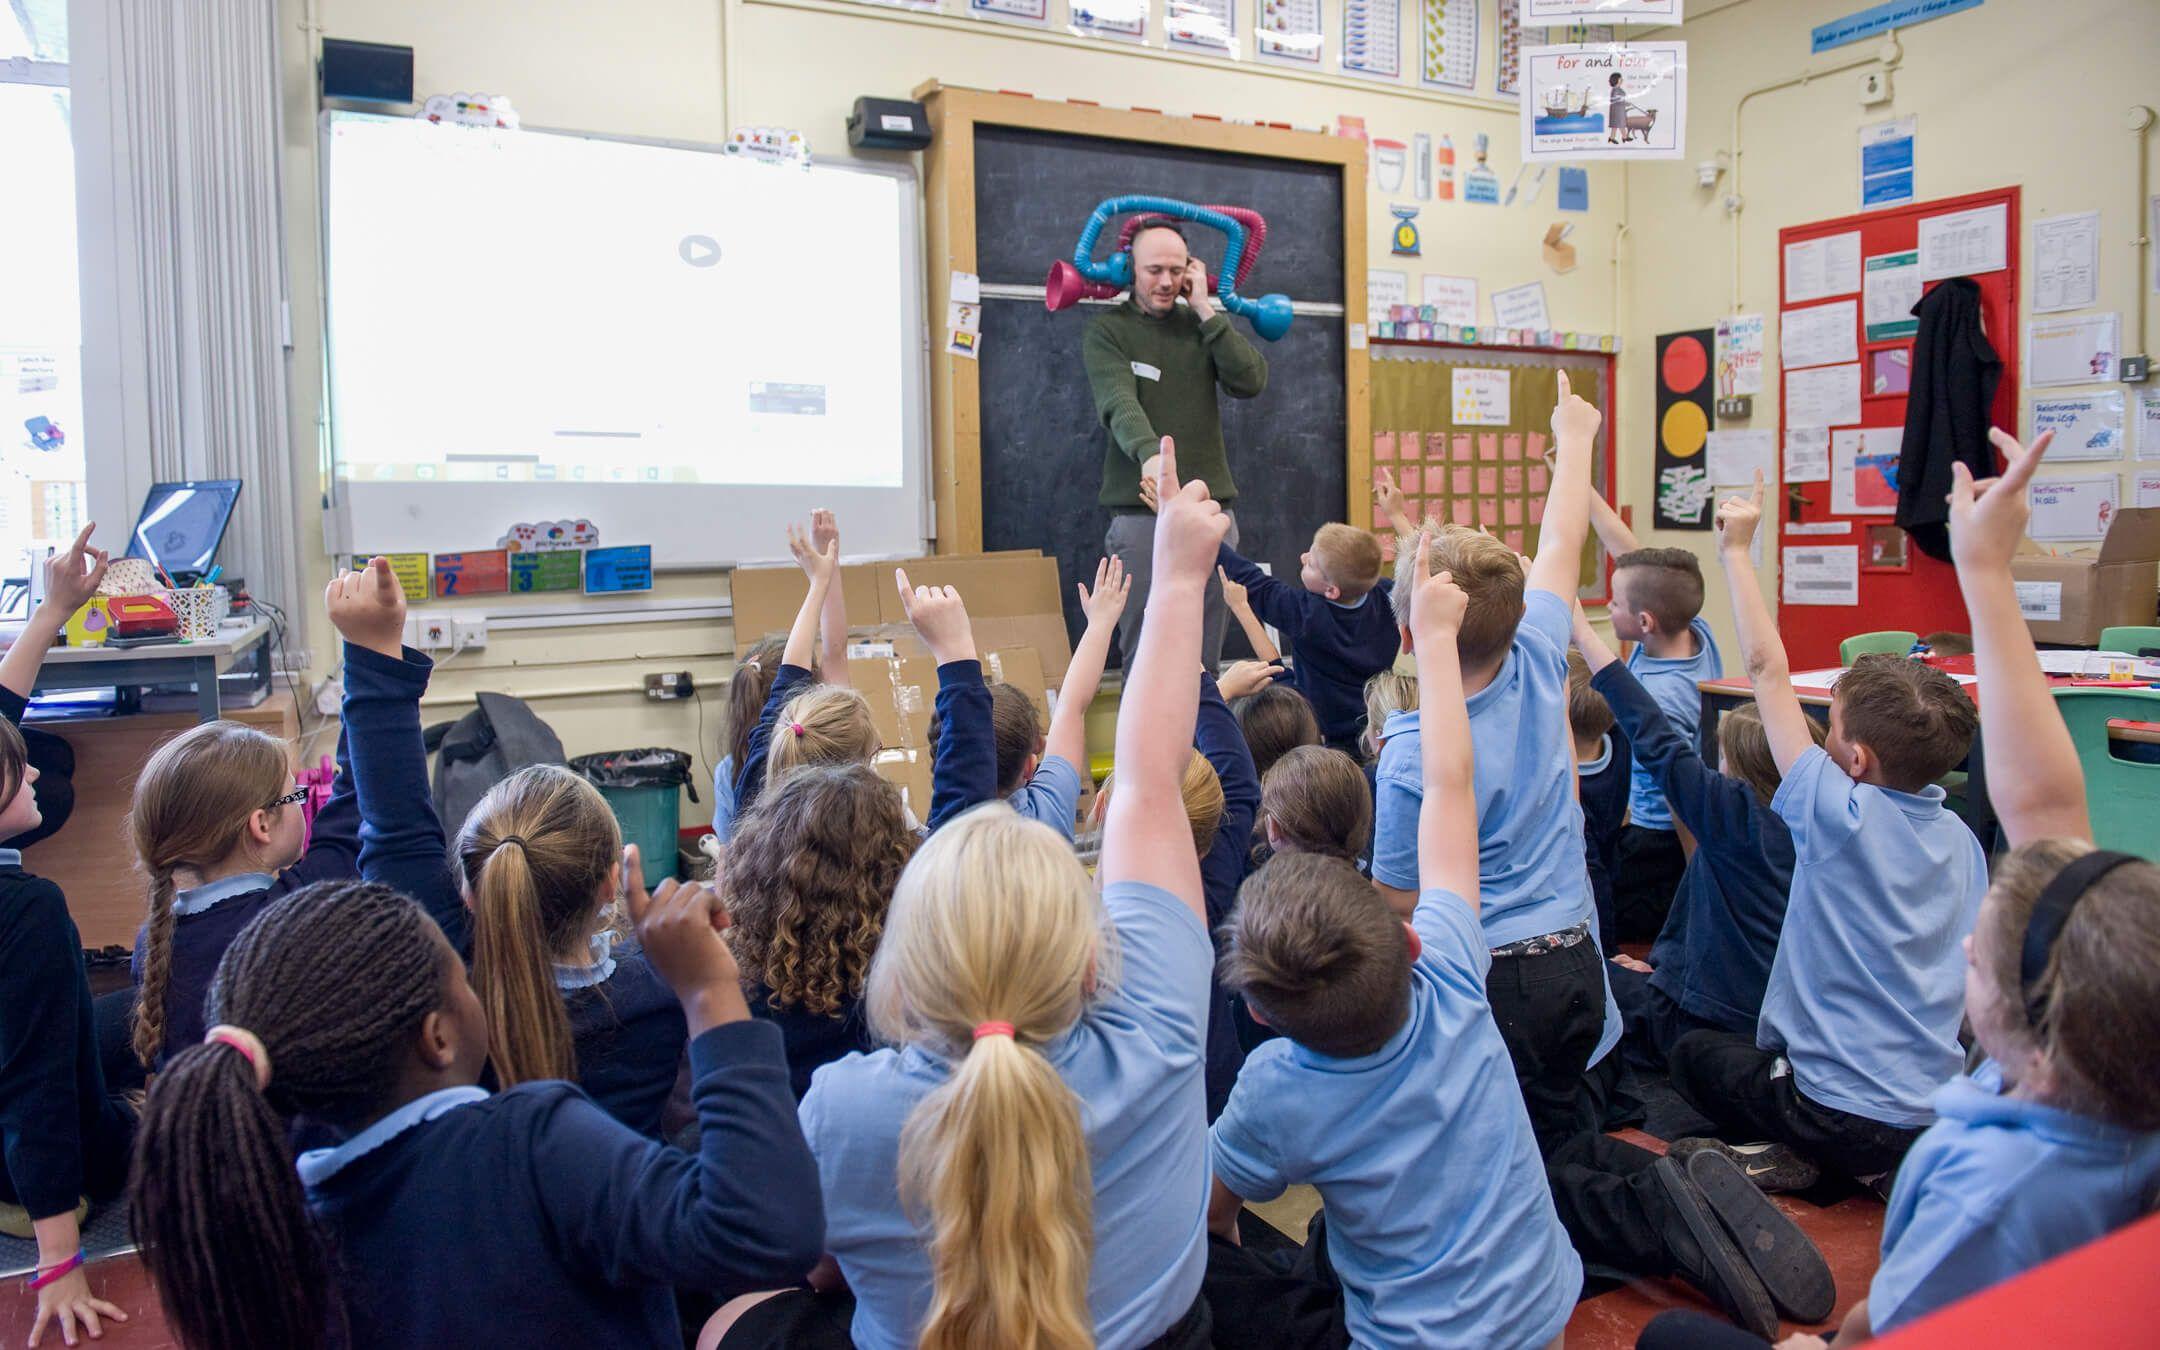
2025 92
680 69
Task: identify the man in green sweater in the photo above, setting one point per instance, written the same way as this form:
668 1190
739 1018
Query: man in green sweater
1154 366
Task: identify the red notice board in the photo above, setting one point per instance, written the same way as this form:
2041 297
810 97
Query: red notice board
1918 593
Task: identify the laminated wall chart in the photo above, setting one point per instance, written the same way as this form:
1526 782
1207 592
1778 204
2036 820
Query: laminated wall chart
1209 24
1449 38
1289 30
1372 38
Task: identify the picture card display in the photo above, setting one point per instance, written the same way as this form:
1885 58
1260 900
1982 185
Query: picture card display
1683 399
1616 102
2072 508
1863 470
2086 426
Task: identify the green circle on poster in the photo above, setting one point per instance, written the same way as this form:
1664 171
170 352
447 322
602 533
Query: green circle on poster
1684 429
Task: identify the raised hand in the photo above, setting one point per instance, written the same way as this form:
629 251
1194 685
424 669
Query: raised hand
1987 518
1189 525
1437 604
824 530
1388 498
818 562
1233 594
679 927
72 576
1246 677
1106 602
1738 517
367 608
940 616
1573 418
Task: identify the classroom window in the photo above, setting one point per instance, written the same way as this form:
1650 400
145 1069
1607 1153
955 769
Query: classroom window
41 442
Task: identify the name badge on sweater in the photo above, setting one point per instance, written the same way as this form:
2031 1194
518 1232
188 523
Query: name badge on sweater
1146 371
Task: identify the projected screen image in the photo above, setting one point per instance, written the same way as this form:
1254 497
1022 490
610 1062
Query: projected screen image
529 306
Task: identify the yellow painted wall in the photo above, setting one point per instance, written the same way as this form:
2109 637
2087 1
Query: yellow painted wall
662 68
2026 92
2016 91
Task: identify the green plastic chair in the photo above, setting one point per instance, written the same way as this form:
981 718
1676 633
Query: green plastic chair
2131 640
1895 642
2123 795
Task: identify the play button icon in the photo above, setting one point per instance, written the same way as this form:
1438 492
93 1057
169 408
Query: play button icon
699 250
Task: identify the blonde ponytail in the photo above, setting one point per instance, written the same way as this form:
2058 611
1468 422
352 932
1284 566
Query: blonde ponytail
995 925
535 855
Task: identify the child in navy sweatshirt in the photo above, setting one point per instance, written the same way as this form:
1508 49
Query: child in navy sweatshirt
1338 633
1712 959
64 1134
449 1216
216 817
1601 784
540 859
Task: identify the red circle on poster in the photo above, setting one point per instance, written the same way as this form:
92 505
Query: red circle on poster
1685 365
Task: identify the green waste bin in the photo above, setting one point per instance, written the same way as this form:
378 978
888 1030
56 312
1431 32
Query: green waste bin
643 789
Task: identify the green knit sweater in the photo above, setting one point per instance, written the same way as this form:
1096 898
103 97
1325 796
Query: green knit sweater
1189 358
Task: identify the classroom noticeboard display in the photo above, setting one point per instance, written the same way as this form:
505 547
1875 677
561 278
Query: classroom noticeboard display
481 572
1682 486
555 570
613 571
1620 101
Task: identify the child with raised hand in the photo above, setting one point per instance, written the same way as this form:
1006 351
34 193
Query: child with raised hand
1389 1067
1866 991
808 883
216 818
1042 776
450 1216
1601 785
1622 1206
825 723
974 1202
1712 959
1336 621
2055 1140
747 688
1657 600
64 1134
540 862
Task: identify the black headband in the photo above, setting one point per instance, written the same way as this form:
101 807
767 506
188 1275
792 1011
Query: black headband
2051 911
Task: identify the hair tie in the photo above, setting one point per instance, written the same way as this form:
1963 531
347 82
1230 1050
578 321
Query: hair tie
983 1029
517 839
248 1044
797 728
2051 911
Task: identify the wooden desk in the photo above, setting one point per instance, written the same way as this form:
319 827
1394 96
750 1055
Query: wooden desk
90 858
130 669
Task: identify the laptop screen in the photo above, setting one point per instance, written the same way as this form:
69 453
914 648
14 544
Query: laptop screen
182 523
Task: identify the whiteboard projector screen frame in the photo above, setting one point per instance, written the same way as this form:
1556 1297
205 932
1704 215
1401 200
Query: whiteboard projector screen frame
689 524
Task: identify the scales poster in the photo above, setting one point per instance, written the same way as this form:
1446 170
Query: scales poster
1609 102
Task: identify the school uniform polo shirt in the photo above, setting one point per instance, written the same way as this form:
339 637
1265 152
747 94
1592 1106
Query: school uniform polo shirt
1868 986
1133 1061
1440 1222
1997 1186
1051 796
1671 680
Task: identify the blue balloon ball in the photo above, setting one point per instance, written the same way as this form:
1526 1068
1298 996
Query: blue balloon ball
1271 316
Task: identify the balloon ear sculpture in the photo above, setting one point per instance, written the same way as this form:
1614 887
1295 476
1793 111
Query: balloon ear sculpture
1086 278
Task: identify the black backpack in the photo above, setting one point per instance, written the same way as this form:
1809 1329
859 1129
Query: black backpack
484 747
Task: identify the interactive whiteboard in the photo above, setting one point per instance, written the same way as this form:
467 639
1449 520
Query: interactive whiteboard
686 348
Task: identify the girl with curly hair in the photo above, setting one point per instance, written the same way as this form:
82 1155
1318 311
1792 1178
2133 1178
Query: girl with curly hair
809 876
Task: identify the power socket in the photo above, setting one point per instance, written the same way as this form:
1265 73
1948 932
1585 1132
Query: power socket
672 684
437 631
469 630
2135 370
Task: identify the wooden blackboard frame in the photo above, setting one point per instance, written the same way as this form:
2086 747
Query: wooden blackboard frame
955 388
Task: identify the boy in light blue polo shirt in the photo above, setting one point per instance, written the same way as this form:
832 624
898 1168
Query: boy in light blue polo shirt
1657 600
1860 1018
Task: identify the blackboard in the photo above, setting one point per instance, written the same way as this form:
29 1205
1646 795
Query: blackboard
1042 445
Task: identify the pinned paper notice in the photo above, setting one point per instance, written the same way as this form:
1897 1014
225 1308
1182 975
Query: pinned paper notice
2066 262
2074 349
1965 244
1739 355
2072 508
1827 396
1822 574
1737 456
1481 397
2086 426
1892 289
963 317
1863 470
1820 335
1454 299
2145 489
2148 424
966 287
1816 269
1521 307
1807 455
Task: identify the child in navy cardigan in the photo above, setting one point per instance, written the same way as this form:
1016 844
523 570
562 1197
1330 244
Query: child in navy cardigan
449 1216
1712 958
216 818
63 1134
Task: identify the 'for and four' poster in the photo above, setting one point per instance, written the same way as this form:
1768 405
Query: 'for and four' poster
1613 102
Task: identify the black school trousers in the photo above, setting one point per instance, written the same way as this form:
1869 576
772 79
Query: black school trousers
1724 1075
1550 1010
1647 867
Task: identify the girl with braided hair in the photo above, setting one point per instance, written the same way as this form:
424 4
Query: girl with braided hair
449 1216
216 817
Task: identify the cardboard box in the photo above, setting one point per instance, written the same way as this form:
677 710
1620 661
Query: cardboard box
908 770
2069 597
901 694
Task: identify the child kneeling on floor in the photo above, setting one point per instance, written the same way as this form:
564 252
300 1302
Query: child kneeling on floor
1389 1067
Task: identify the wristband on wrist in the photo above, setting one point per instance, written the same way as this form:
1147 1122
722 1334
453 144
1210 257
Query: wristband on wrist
51 1274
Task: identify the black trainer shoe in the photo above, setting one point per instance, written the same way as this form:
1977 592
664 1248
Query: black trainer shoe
1705 1256
1774 1168
1789 1265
